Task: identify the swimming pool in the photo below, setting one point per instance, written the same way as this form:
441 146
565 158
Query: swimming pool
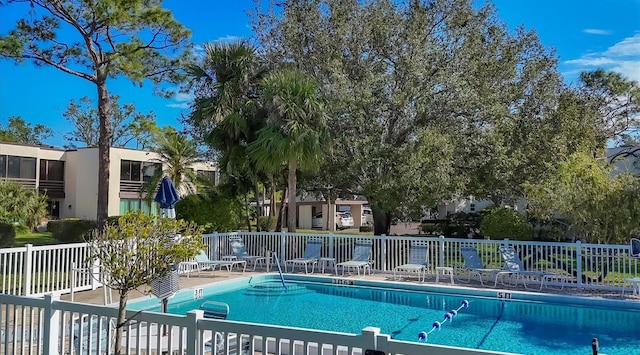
526 323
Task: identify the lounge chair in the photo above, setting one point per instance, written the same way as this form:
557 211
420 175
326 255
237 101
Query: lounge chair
361 258
202 261
634 248
240 253
474 266
513 264
311 256
418 260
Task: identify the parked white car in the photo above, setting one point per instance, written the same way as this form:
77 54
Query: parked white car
367 217
343 220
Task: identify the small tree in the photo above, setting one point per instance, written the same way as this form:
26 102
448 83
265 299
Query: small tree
139 249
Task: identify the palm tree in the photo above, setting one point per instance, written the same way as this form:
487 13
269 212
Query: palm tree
296 131
226 109
177 154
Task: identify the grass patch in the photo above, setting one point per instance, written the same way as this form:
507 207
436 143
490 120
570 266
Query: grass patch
40 238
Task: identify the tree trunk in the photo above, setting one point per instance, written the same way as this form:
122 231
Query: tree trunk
247 208
258 206
381 221
281 211
122 305
272 199
331 216
291 216
104 146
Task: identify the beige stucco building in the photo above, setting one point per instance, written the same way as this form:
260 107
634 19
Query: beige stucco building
69 178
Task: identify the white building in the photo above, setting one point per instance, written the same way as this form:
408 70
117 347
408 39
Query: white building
69 178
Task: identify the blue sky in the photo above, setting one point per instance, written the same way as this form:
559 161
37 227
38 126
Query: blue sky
587 34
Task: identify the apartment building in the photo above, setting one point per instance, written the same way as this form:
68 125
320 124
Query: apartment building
69 178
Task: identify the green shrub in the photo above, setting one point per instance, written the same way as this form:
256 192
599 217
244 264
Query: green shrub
21 204
267 223
21 229
7 235
213 211
431 228
506 223
72 230
366 229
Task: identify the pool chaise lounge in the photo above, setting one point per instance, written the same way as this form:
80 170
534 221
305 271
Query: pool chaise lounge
418 261
202 262
311 256
514 265
474 267
361 258
239 252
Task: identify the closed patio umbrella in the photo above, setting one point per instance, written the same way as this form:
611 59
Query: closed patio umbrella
167 286
167 197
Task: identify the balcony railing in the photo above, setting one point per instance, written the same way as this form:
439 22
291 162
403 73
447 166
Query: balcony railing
130 189
51 188
29 183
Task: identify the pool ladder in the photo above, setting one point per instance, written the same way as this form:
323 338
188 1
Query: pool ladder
275 256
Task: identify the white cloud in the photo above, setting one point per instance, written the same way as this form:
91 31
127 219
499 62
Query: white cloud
183 105
623 57
181 99
227 38
629 46
591 62
183 96
596 31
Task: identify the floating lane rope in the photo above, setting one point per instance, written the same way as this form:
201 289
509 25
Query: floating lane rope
423 335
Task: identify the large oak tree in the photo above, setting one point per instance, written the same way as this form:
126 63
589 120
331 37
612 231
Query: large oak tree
429 99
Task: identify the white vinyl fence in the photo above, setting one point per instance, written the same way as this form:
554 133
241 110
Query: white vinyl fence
593 266
49 326
35 322
63 268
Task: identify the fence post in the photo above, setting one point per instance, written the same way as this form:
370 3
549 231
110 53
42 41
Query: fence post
193 340
579 263
383 241
283 245
51 324
369 336
217 253
97 277
28 269
441 251
331 243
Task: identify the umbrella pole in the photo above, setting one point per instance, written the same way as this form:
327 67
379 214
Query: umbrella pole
165 328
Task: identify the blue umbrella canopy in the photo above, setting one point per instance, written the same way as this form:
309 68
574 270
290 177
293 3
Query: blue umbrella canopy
167 197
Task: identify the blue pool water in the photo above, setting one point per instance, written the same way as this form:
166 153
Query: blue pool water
517 326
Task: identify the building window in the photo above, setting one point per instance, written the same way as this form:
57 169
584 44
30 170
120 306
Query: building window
149 170
209 175
21 167
137 204
472 207
51 170
3 166
132 170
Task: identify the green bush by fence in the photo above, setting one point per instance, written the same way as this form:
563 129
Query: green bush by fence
267 223
72 230
7 235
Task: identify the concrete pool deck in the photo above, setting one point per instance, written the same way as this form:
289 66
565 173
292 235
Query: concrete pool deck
208 277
